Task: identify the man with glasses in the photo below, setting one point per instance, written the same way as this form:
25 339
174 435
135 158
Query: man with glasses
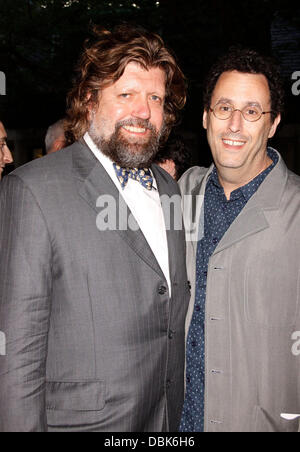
5 154
242 365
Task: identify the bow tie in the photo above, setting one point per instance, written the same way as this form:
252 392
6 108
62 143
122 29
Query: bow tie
143 176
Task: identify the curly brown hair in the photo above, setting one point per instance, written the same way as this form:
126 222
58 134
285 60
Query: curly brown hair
103 62
250 62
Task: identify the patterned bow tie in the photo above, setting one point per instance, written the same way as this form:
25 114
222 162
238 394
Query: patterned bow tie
143 176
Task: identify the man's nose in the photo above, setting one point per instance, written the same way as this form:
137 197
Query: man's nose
141 108
8 158
236 121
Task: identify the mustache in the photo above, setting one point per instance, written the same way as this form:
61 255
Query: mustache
233 136
143 123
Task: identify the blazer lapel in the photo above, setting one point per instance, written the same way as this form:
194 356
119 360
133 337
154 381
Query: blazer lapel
194 211
253 217
250 221
93 181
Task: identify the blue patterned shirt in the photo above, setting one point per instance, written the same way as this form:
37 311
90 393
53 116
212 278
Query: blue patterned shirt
219 214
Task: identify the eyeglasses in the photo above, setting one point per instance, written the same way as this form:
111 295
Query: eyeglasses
225 111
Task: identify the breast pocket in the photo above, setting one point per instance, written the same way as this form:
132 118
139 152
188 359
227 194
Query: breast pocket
272 294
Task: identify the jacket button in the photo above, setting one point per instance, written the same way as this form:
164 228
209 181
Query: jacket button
168 384
162 290
216 422
171 334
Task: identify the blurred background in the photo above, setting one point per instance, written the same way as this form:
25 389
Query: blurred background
40 41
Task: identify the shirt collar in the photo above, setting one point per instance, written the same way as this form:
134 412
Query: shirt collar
248 190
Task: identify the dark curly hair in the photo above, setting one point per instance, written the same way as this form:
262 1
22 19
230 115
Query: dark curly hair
250 62
103 62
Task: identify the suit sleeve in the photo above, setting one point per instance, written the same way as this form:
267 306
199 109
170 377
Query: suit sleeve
25 299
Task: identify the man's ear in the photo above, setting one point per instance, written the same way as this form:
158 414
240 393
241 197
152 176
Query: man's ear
274 126
204 121
59 144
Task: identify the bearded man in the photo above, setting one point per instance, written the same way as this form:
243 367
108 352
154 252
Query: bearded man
93 312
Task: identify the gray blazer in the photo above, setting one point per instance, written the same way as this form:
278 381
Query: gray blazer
252 308
93 340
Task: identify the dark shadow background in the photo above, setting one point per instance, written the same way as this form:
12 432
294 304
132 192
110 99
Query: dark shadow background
40 41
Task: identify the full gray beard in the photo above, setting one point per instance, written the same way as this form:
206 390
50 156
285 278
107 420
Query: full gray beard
124 153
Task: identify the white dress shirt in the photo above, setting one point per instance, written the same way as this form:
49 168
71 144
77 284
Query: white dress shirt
146 208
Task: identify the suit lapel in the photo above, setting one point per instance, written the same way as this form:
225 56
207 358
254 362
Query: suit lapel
93 181
174 237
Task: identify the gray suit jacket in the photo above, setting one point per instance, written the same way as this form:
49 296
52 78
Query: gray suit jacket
252 326
93 340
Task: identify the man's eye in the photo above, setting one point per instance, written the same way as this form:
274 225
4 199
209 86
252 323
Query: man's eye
156 98
225 108
125 95
252 112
